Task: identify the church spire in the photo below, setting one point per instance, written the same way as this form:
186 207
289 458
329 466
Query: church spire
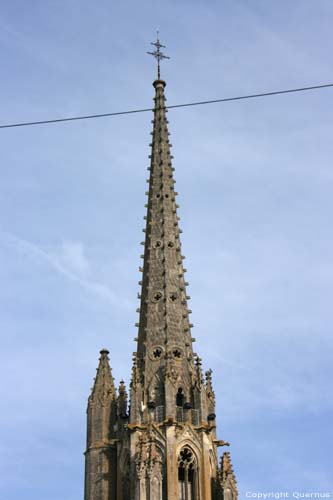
163 445
164 338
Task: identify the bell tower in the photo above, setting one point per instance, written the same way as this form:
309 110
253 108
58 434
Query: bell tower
163 446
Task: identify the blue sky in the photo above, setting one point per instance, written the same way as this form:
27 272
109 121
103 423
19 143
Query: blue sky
255 191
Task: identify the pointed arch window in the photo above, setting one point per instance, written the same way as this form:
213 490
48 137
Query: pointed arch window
187 475
180 397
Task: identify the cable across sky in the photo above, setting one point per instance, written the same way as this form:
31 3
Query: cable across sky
183 105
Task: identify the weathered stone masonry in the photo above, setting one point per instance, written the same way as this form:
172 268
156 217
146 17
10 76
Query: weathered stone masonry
163 445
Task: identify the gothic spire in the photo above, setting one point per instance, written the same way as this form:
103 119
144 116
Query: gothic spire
164 339
104 387
162 444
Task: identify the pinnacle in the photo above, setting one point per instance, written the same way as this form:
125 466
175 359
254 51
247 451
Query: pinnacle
122 390
227 469
104 383
122 385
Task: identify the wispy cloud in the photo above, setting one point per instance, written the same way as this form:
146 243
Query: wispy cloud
71 256
69 260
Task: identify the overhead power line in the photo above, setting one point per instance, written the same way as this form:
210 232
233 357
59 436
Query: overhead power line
144 110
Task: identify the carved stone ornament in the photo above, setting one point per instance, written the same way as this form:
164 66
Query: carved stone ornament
175 353
156 353
173 375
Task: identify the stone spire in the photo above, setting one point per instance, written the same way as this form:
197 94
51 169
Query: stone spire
164 339
103 388
101 420
163 444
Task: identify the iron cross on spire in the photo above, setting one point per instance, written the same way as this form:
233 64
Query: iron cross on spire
158 54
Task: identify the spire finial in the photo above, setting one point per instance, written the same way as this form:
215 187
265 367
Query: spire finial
158 54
